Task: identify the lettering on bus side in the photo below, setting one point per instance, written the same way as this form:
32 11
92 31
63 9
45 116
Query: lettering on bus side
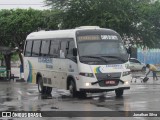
44 60
49 66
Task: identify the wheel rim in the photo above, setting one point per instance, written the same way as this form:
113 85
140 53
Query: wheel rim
71 89
40 85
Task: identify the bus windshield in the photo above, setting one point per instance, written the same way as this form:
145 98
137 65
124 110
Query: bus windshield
101 48
101 45
106 49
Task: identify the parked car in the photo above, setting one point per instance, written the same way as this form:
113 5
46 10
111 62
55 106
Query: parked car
135 65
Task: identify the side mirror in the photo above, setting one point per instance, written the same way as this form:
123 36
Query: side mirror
74 51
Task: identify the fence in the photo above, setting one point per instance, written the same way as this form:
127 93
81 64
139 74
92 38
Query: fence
150 56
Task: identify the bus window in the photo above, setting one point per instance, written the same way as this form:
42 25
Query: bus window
36 48
28 49
45 47
71 45
64 47
54 48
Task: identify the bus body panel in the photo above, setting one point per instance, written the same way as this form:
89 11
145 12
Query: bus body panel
56 71
105 70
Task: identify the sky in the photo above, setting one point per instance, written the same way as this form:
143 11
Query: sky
23 4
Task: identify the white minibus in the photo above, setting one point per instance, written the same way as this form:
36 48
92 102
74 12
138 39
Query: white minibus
86 59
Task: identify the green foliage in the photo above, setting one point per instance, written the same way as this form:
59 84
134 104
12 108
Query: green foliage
134 19
17 24
137 20
15 57
1 56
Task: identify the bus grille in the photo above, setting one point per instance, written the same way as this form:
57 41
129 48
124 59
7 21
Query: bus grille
108 77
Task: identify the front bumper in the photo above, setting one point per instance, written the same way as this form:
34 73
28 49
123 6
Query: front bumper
96 90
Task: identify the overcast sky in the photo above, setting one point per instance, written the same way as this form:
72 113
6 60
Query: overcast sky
23 4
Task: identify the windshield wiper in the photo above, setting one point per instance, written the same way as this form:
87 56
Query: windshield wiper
95 57
121 59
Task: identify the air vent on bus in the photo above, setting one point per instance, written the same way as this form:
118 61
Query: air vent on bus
45 80
88 27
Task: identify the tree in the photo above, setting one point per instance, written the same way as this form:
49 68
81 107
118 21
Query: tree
151 21
128 17
15 25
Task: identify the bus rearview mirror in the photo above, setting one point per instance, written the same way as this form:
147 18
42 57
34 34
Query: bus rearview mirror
74 51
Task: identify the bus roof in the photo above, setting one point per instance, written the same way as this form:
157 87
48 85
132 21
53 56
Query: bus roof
69 33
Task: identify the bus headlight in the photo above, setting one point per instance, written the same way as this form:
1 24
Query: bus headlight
87 84
126 82
87 74
126 73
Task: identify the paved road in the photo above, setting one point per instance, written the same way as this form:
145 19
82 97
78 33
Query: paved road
16 96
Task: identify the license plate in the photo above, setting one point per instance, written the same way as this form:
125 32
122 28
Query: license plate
110 82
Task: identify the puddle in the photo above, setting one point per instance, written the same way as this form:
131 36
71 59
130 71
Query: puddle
46 96
6 99
54 108
11 108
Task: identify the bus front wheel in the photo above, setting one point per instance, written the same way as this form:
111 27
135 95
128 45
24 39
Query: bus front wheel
72 88
119 92
82 94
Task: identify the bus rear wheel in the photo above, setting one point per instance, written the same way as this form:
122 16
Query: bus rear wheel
48 90
119 92
41 88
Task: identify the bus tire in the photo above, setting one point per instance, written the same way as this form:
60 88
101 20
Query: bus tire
72 89
119 92
48 90
41 88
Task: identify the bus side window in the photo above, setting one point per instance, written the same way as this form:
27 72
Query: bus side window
28 49
54 48
63 49
36 48
71 45
45 47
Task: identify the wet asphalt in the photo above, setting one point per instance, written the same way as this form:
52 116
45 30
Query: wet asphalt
21 96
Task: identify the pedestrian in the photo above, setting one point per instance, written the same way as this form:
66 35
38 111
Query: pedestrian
153 69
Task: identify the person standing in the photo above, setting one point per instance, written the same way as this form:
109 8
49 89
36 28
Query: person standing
153 69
